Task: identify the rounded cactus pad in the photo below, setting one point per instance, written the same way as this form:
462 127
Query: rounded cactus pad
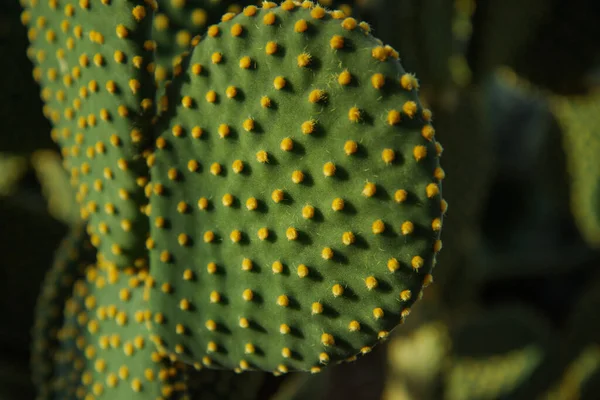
295 199
94 64
106 351
71 259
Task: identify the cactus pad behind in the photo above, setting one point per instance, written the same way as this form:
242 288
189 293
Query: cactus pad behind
295 194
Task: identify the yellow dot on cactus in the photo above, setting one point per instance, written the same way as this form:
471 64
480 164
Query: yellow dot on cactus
224 131
407 228
202 203
302 271
211 96
269 18
439 149
443 206
377 80
215 169
410 108
209 236
417 262
244 323
427 114
405 295
388 156
237 166
378 313
197 68
337 290
263 233
231 92
183 239
159 222
317 308
166 288
349 24
196 132
327 253
336 42
271 48
308 212
288 5
437 246
308 127
211 347
250 11
215 297
284 329
283 301
436 224
300 26
405 313
235 236
245 62
277 267
354 114
379 53
251 204
400 196
354 326
409 82
262 156
248 125
227 200
138 12
291 233
279 82
369 189
304 60
249 348
184 304
188 275
323 358
420 152
350 147
327 339
265 102
297 176
382 335
432 190
344 78
371 282
248 295
439 174
172 174
236 30
216 57
318 12
428 132
428 280
247 264
337 204
277 195
378 227
329 169
316 96
177 130
211 325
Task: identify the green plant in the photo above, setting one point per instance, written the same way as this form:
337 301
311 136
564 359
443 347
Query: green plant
289 192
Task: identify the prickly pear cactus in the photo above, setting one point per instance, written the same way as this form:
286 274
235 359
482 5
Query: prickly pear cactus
71 259
94 64
581 142
295 201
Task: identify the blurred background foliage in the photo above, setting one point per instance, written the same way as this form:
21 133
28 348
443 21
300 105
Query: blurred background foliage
514 311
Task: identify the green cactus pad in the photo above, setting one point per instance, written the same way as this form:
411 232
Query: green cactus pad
71 259
94 65
106 351
295 194
175 25
581 142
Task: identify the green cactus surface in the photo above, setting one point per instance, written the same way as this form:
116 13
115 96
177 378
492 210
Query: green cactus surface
70 261
295 201
94 63
105 350
581 143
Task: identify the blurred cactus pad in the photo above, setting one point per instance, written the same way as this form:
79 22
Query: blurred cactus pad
241 199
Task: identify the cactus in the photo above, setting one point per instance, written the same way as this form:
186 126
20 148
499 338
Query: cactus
69 264
581 143
95 73
276 171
